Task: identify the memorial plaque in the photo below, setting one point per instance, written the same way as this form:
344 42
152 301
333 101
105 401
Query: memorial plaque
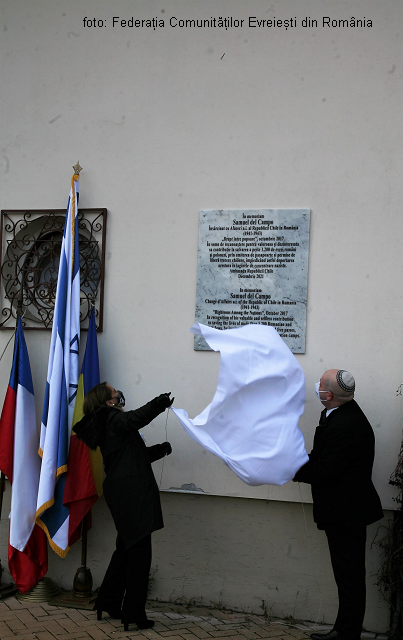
253 269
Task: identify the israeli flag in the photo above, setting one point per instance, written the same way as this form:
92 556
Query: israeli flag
61 386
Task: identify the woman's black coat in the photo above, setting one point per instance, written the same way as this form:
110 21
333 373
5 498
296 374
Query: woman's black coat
130 488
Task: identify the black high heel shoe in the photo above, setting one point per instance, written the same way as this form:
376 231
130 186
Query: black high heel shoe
142 623
111 611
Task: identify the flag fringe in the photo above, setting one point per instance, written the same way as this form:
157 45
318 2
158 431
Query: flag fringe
60 552
43 508
61 470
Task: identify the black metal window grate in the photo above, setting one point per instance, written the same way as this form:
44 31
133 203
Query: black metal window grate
30 244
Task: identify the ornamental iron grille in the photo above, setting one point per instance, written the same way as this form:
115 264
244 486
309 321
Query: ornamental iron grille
30 244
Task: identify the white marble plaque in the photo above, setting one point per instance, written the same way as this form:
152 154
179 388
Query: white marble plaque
253 269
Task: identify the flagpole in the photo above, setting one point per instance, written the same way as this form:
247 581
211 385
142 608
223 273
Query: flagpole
82 584
9 589
2 478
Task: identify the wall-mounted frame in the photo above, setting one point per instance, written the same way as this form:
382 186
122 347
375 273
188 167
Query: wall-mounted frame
30 242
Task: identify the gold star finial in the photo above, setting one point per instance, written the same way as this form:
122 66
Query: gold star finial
77 169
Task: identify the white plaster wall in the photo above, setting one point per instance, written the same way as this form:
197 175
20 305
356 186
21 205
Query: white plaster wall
249 555
168 121
171 121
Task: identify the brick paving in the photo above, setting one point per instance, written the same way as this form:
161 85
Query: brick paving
41 621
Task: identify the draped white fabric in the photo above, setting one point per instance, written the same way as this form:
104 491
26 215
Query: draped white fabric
252 421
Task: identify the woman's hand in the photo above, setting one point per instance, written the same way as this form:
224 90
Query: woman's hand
166 448
164 400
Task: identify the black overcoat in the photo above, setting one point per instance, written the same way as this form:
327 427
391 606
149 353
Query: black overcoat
340 468
130 488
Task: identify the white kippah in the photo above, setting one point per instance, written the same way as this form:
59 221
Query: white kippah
345 380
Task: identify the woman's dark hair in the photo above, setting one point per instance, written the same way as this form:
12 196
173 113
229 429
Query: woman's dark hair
90 427
96 398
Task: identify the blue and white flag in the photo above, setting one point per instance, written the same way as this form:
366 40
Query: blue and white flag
61 386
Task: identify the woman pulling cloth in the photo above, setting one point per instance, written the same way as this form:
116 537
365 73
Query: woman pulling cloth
131 493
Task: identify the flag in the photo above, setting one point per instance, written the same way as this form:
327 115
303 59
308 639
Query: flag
61 386
85 470
19 461
252 421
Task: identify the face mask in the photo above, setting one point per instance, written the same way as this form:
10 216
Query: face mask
120 399
317 390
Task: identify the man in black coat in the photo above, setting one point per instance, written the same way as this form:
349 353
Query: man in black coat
344 499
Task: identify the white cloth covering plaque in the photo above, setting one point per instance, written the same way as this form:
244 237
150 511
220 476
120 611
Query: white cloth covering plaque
252 421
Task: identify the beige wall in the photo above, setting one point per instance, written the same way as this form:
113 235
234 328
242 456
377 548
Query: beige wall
238 553
164 125
171 121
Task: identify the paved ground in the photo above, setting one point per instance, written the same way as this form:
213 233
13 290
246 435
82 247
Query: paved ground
41 621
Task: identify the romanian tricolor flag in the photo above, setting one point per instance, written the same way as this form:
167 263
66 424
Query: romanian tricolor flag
61 386
19 461
85 471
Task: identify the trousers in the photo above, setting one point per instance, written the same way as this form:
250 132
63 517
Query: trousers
347 554
125 583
